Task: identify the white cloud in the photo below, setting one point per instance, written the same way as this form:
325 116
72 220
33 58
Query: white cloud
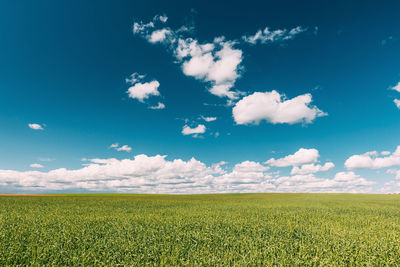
121 148
141 28
311 168
216 63
267 36
209 119
370 160
141 90
301 157
156 174
250 166
124 148
159 36
351 177
35 126
36 165
396 87
158 106
397 102
200 129
273 107
342 182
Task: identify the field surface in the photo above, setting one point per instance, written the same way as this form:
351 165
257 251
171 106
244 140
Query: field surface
200 230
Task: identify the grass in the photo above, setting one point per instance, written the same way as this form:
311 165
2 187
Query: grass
209 230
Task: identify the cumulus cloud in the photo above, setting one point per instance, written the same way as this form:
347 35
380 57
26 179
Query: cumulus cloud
158 106
36 165
301 157
216 63
117 147
342 182
267 36
274 108
156 174
396 87
371 160
35 126
311 168
250 166
200 129
142 90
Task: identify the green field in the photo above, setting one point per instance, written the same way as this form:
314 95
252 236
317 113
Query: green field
210 230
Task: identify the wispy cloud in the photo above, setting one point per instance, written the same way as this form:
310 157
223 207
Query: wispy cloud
35 126
209 119
267 36
397 103
117 147
396 87
158 106
36 165
46 159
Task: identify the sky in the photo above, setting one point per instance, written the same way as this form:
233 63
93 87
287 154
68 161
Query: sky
199 97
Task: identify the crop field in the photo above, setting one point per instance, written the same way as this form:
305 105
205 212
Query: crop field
200 230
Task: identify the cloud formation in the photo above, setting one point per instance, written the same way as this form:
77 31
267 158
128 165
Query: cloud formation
303 162
267 36
36 165
200 129
142 90
209 119
158 106
117 147
156 174
312 168
301 157
396 87
217 63
371 160
35 126
397 103
274 108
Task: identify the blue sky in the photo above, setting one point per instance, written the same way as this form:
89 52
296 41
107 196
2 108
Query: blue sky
64 67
